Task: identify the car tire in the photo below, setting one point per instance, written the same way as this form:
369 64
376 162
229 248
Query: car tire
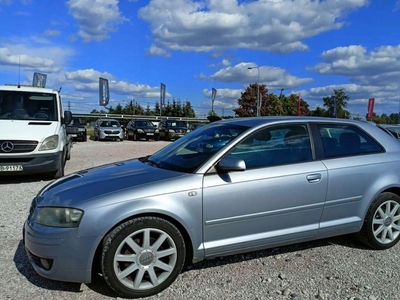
142 257
381 229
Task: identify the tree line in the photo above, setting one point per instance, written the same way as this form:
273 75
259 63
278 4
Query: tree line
334 106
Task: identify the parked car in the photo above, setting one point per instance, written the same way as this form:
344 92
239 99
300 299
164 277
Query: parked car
391 129
233 186
171 129
141 129
76 130
108 129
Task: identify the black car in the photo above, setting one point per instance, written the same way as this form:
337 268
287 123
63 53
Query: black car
141 129
76 130
171 129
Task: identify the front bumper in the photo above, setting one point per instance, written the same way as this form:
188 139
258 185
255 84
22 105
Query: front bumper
30 164
69 256
148 135
78 135
111 136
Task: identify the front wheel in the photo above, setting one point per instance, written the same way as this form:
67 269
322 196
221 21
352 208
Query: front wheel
381 229
142 257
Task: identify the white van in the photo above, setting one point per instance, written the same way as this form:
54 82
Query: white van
33 135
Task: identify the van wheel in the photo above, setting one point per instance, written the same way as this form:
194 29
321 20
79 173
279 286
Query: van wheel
142 256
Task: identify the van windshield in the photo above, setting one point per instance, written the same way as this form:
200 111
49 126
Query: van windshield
18 105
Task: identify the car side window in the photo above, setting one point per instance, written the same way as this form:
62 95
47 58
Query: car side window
275 146
343 140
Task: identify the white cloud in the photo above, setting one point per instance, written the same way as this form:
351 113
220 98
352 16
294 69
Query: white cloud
376 67
396 6
97 19
88 81
273 77
87 75
156 51
52 33
215 25
43 59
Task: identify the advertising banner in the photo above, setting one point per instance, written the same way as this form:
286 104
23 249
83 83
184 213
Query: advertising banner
298 104
104 92
371 102
162 95
333 98
39 80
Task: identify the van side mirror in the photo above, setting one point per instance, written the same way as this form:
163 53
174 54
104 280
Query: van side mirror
67 117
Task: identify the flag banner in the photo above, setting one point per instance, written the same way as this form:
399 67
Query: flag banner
298 105
39 80
333 98
371 102
162 95
213 94
104 92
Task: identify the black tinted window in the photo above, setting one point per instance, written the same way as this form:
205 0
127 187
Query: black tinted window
344 140
275 146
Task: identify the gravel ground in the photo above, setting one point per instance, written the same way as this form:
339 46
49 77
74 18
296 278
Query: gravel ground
336 268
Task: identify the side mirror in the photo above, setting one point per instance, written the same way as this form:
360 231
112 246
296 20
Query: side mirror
231 163
67 117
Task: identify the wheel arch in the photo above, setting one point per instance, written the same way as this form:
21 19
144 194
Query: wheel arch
176 223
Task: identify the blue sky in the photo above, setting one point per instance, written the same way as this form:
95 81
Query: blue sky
192 46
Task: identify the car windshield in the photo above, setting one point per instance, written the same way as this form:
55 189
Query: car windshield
191 151
77 121
109 124
144 123
28 106
176 124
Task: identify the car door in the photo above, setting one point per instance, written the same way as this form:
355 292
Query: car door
279 198
353 160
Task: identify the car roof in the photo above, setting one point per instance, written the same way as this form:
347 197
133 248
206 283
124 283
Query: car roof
25 88
256 121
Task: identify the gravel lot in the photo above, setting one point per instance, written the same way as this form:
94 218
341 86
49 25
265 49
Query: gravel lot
337 268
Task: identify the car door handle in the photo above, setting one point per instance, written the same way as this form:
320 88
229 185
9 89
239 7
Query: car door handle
313 178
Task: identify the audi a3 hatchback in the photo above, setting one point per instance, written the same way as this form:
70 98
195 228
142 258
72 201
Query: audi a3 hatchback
228 187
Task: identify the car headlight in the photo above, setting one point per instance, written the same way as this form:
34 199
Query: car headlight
81 129
171 130
140 130
156 131
187 131
59 217
49 143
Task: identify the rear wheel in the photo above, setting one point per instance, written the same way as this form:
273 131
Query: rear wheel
142 257
381 229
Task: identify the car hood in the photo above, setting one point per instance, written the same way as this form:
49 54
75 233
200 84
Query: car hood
20 129
101 181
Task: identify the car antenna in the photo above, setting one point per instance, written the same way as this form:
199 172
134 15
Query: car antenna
19 71
59 90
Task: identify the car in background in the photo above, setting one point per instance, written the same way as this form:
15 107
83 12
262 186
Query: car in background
391 129
76 130
233 186
108 129
194 126
172 129
141 129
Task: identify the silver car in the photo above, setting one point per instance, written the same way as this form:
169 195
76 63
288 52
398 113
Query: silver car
108 129
230 186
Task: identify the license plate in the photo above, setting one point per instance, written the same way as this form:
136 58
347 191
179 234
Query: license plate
73 135
11 168
150 133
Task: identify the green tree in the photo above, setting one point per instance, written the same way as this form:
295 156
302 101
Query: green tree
341 103
248 101
187 110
